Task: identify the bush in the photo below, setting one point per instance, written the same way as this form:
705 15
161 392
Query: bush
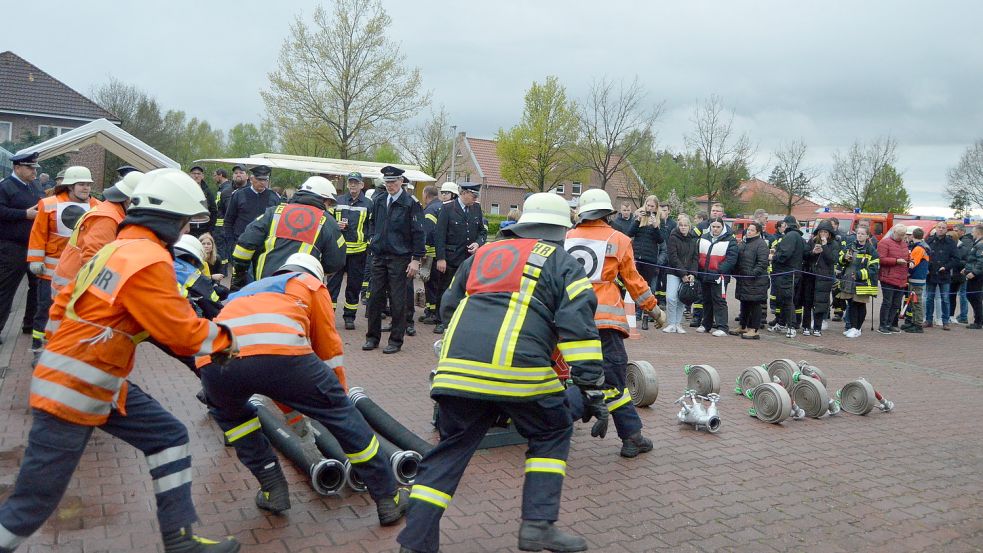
494 221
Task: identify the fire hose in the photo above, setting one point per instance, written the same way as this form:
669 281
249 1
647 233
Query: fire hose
384 423
859 398
642 383
327 475
751 378
784 370
703 379
771 402
331 449
810 395
696 414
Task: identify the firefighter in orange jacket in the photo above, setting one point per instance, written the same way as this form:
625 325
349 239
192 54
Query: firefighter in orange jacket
607 256
57 215
94 230
291 352
122 296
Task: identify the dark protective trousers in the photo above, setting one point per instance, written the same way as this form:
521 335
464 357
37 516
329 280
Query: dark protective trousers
545 423
626 419
432 290
444 282
13 268
388 280
54 447
353 272
41 312
785 288
304 383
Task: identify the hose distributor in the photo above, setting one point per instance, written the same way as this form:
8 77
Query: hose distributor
696 414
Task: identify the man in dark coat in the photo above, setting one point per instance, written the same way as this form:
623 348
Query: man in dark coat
19 198
460 231
945 260
786 260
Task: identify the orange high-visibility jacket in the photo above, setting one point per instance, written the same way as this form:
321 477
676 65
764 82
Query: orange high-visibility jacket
124 294
93 231
52 227
298 321
607 255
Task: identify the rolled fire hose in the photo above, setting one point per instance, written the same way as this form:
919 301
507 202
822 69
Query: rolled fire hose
642 383
327 475
703 379
810 395
751 378
785 370
331 449
384 424
771 403
813 371
859 398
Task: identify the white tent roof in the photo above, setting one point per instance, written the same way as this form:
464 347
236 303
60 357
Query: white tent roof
322 165
128 147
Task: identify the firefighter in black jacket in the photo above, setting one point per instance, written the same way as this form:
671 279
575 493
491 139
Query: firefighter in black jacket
222 197
786 261
448 191
197 173
248 203
397 249
516 301
460 231
352 214
303 225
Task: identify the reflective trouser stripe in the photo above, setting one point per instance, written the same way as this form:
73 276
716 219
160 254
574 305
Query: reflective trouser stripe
430 495
10 540
366 454
335 362
351 306
171 481
545 464
618 400
242 430
37 334
168 455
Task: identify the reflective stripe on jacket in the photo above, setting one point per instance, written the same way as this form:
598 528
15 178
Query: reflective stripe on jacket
607 256
56 219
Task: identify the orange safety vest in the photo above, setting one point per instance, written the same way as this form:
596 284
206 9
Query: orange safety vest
81 374
71 259
57 217
607 256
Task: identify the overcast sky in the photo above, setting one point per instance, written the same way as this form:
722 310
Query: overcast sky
829 72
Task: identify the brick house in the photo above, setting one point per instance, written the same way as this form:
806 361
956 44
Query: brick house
477 161
34 101
757 191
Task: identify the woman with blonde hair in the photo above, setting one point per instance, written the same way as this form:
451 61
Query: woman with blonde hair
646 238
216 265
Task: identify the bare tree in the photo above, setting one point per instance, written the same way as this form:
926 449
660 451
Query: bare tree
615 121
965 186
723 154
344 78
853 178
429 144
792 176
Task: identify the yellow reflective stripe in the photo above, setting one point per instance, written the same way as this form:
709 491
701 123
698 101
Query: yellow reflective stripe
583 350
468 367
515 315
341 241
545 464
366 454
242 253
576 287
431 217
219 222
430 495
305 248
620 402
243 430
452 327
491 387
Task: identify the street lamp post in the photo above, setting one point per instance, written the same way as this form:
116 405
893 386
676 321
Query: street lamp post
453 153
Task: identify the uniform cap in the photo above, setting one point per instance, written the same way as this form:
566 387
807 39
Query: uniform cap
196 168
29 159
123 170
261 172
354 175
390 173
77 174
471 187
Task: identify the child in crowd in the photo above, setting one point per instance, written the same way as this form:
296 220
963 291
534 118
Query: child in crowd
917 273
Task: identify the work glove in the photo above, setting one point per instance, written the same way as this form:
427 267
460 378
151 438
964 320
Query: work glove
658 316
36 268
238 278
594 407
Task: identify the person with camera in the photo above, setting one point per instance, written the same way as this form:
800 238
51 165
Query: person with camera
752 282
683 252
646 241
819 264
859 266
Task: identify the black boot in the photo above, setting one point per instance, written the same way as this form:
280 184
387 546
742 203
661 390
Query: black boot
635 444
184 541
273 495
537 535
391 509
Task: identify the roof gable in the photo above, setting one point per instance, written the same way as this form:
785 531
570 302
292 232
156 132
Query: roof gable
26 88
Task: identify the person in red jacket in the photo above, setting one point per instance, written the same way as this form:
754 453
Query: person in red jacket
895 255
607 257
57 216
124 295
290 351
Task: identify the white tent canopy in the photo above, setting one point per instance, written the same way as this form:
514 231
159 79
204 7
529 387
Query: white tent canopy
322 165
128 147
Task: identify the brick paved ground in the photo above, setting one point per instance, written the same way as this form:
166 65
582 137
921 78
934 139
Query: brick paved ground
911 480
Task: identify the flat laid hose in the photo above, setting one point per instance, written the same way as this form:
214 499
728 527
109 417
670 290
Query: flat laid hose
386 425
751 378
810 395
703 379
771 402
785 370
858 397
327 475
642 383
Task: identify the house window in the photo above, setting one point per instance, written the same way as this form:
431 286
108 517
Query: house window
575 188
559 189
51 130
6 131
513 206
494 209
